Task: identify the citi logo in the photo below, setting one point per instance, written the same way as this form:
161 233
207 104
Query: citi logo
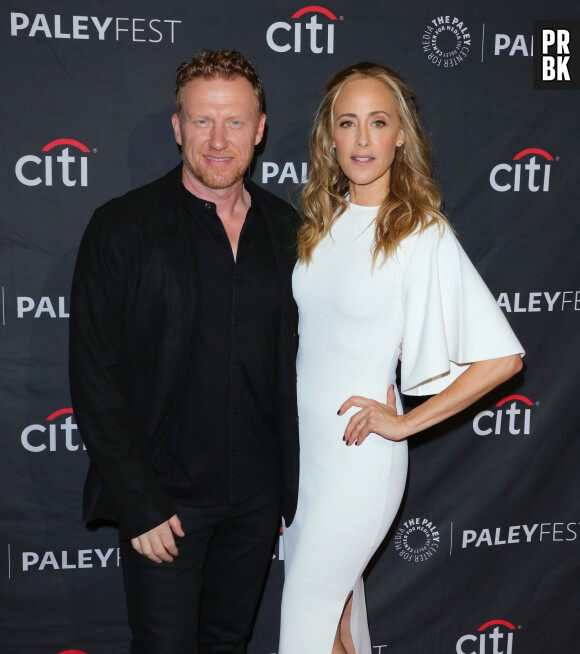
491 636
536 172
280 549
515 418
279 36
56 435
64 168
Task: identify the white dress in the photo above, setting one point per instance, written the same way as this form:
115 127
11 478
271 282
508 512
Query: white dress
352 321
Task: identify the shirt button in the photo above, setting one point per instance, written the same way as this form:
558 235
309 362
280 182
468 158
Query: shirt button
208 205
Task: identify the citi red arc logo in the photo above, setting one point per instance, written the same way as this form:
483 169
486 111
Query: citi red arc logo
70 170
59 412
314 8
58 435
536 171
539 151
514 419
280 555
279 37
490 638
494 622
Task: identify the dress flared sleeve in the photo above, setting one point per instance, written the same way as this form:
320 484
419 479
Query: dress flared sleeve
451 318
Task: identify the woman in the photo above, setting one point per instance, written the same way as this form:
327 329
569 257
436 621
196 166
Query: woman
378 265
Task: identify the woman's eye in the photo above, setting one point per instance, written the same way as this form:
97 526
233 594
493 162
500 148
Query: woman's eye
379 123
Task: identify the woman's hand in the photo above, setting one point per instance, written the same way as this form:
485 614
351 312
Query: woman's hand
479 378
374 417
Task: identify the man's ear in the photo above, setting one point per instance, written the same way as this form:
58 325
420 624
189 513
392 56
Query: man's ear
176 128
260 132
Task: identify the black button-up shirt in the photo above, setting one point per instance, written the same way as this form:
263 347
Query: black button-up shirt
222 446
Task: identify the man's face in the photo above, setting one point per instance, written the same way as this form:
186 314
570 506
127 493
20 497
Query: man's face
217 128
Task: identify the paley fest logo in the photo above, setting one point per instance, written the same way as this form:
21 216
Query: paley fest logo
58 432
63 162
537 301
81 28
314 20
513 45
531 171
446 41
512 415
60 560
417 540
493 637
35 308
288 171
45 307
70 560
524 534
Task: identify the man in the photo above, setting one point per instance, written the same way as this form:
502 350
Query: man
182 348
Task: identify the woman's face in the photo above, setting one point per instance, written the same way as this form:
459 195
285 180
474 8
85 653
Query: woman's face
366 132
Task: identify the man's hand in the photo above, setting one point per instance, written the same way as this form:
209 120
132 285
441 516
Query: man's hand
158 544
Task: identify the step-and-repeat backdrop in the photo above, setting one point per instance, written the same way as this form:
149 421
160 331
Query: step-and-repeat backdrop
484 555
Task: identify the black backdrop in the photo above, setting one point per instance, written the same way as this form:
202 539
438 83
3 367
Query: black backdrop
484 555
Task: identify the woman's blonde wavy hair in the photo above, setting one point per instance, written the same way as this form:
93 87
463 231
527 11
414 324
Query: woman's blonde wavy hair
414 197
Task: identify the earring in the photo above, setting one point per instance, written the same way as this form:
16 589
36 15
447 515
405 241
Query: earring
400 152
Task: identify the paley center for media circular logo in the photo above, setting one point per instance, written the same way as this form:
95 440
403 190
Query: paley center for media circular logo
417 540
446 41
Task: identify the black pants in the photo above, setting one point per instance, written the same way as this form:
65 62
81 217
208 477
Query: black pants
205 601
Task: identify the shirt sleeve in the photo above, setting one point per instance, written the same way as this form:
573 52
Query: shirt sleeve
451 319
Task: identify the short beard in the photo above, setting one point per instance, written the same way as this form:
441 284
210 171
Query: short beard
214 179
